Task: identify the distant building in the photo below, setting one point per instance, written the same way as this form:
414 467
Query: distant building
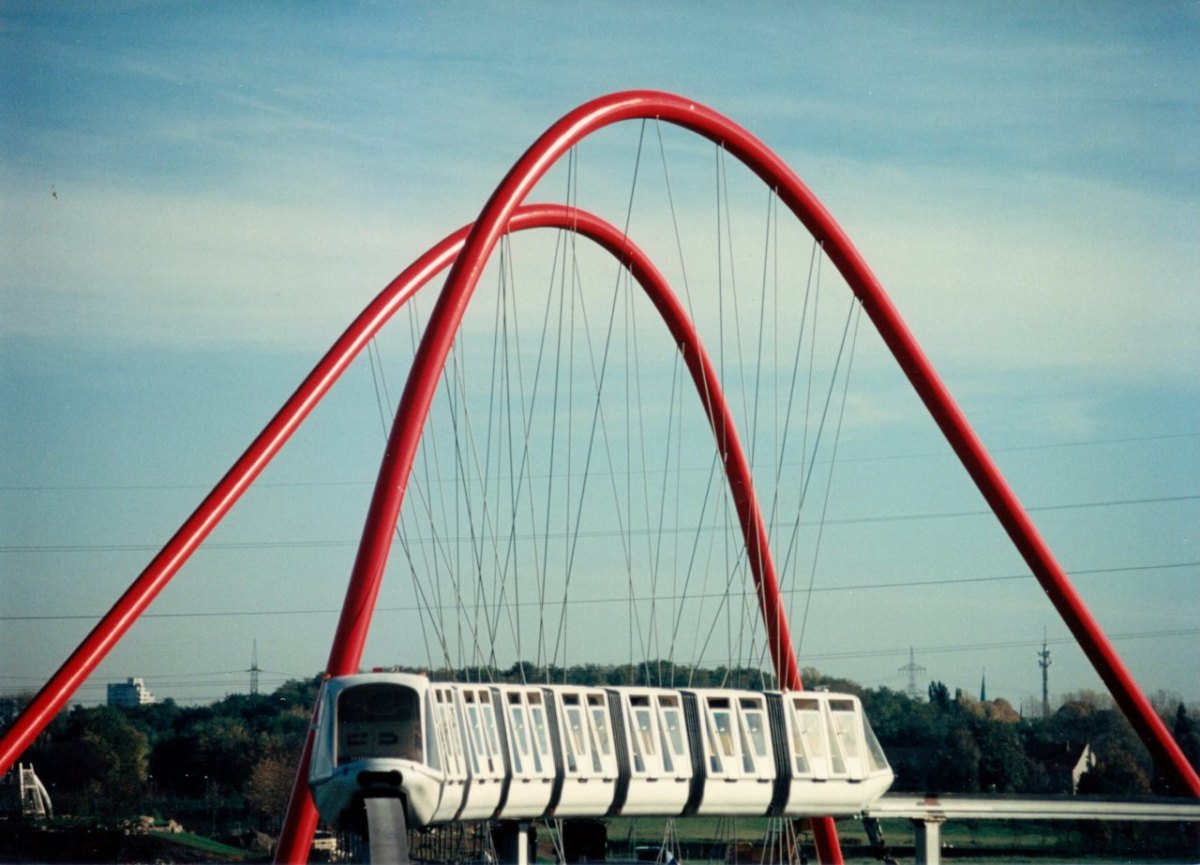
131 692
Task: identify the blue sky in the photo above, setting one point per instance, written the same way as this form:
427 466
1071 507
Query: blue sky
197 199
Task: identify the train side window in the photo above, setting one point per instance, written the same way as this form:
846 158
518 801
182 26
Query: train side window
600 724
756 725
836 760
756 730
600 739
713 746
525 719
537 712
433 755
671 724
491 743
474 725
489 726
668 762
483 734
643 725
810 729
569 701
453 732
845 722
577 734
575 716
635 747
520 749
723 720
876 757
798 750
448 730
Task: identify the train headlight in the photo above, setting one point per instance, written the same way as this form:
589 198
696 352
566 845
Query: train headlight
380 779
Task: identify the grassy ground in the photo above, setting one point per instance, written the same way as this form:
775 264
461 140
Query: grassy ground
199 842
78 842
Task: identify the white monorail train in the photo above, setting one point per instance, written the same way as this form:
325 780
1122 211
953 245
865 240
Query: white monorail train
454 751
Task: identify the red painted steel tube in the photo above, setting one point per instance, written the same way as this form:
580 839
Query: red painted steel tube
378 533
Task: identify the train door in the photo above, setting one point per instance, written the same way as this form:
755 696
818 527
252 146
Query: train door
737 753
657 758
757 760
483 756
725 745
530 752
809 746
449 731
845 725
586 744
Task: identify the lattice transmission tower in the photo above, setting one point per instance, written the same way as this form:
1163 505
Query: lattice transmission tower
911 671
254 669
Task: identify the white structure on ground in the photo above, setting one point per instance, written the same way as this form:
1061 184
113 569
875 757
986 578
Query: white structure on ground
21 791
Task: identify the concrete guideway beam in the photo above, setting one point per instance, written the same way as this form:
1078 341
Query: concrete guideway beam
935 808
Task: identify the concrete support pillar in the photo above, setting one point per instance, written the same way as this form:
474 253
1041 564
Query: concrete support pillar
513 842
928 840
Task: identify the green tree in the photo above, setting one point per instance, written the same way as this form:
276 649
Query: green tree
1117 774
939 696
1187 735
1003 766
270 784
955 766
95 762
10 707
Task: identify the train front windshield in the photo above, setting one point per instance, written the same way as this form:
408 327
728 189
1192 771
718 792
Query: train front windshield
379 720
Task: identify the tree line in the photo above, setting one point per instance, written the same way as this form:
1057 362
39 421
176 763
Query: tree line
229 765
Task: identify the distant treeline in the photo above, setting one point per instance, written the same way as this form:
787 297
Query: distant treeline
229 766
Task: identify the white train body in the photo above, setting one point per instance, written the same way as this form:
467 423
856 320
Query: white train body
457 751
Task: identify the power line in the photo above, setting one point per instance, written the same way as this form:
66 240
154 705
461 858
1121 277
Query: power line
883 518
361 483
1004 644
691 596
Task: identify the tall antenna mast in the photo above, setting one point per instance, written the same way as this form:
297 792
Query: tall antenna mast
1044 663
254 669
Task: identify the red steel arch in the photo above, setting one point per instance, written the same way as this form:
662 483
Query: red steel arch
460 284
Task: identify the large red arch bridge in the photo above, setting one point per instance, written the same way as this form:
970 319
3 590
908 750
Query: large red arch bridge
466 252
